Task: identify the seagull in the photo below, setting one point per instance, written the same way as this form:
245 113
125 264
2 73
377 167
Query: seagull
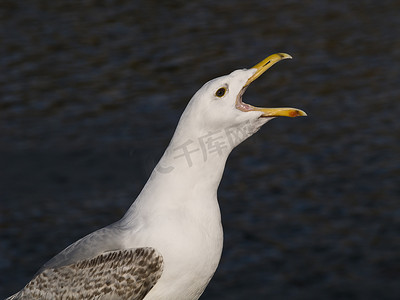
169 243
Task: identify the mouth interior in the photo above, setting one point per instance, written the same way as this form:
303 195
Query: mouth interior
240 105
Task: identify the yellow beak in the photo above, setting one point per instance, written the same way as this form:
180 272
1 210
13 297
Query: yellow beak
261 67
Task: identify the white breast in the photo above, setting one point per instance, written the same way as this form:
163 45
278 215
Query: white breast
190 241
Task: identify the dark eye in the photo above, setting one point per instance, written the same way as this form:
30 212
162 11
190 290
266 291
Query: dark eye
220 92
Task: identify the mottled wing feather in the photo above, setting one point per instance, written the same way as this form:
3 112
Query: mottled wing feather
124 274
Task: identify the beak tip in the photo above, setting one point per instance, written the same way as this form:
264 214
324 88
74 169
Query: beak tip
285 56
298 113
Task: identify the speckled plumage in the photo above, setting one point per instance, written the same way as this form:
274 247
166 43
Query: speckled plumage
126 274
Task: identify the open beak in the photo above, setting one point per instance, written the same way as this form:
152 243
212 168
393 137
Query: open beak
261 67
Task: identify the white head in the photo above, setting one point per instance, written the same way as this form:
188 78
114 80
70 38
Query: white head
218 105
214 122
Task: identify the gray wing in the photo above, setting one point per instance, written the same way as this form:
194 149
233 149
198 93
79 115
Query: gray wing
95 243
123 274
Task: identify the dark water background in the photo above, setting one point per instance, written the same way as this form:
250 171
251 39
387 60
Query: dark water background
90 93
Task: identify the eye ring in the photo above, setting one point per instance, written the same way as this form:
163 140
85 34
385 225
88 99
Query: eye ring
220 92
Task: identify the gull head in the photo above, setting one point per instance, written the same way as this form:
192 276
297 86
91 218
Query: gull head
218 104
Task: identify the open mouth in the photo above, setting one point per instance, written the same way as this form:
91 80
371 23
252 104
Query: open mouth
260 68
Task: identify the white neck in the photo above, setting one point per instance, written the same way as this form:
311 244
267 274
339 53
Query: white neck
190 170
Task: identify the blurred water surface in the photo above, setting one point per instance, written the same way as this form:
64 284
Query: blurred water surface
90 93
